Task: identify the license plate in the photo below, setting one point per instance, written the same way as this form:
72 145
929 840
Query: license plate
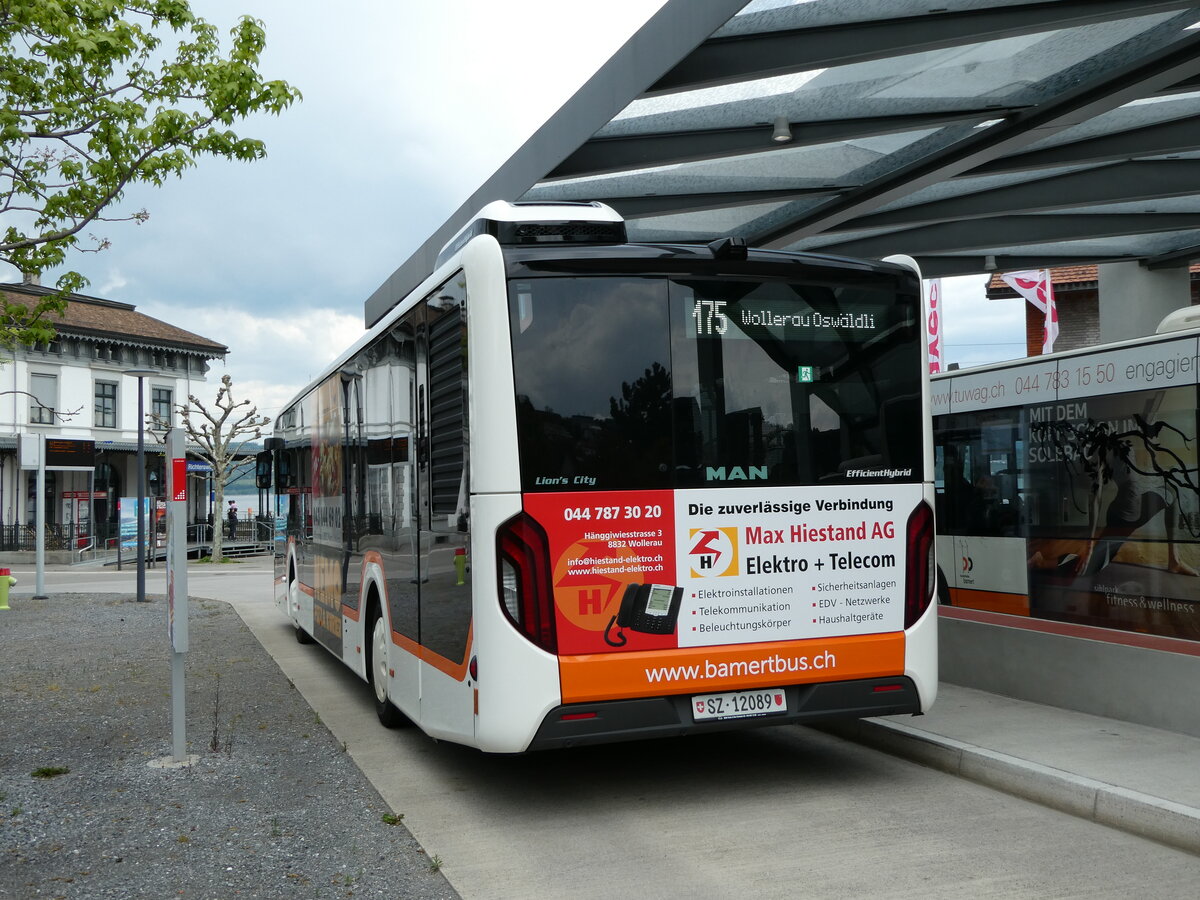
738 704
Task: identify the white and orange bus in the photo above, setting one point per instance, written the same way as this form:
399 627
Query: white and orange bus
574 489
1068 489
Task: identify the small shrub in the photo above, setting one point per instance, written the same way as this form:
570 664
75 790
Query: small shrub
49 771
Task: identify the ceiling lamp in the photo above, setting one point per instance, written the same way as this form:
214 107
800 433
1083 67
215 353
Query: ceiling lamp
783 130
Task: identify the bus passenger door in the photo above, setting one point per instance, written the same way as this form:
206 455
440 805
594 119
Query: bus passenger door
445 585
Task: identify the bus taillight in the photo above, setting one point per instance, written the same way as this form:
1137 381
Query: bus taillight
526 593
920 571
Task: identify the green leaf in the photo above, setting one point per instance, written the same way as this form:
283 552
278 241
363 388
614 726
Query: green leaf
98 94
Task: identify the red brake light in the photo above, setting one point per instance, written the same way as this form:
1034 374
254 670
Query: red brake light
919 570
526 593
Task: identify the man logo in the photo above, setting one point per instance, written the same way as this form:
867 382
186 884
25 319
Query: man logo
714 552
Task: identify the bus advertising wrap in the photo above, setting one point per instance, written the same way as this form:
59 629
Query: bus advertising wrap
1081 506
655 570
327 506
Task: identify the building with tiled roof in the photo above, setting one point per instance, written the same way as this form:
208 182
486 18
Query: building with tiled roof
75 392
1077 298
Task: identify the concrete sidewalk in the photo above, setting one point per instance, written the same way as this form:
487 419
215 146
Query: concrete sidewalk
1133 777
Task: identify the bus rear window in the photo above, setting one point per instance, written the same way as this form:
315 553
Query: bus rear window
592 359
632 383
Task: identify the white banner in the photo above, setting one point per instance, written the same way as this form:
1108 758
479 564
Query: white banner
1036 287
933 325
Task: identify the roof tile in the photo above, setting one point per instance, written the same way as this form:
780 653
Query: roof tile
93 317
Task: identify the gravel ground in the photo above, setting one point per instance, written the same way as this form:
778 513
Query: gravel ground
272 808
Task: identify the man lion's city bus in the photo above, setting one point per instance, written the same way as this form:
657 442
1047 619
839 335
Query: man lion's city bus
574 489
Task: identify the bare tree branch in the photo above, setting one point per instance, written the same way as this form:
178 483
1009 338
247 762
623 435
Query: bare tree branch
218 441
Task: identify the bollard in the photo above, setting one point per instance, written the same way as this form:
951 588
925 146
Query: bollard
460 564
6 582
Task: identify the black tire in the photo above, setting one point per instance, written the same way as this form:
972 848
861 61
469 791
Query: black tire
377 674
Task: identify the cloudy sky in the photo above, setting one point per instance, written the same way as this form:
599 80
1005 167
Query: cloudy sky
408 107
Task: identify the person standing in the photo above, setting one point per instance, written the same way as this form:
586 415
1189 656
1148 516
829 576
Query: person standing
232 517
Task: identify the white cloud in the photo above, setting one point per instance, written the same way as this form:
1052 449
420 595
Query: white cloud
271 357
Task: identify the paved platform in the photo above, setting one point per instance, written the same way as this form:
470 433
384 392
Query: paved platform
1140 779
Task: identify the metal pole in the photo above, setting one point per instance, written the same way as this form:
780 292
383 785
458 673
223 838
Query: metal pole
175 465
40 521
141 499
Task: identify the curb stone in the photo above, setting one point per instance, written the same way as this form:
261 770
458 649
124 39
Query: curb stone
1142 814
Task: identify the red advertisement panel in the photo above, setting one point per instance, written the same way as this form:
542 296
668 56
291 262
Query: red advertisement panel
606 548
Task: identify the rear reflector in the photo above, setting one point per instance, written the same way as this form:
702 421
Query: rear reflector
920 572
523 580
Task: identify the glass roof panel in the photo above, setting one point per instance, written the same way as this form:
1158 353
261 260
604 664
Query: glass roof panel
1011 72
821 165
705 225
964 185
777 15
1138 245
1188 204
1129 117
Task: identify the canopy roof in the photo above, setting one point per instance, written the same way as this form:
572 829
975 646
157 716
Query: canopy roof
973 135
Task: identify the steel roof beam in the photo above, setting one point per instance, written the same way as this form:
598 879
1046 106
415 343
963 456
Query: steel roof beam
1119 86
726 60
934 266
604 155
1009 231
1120 183
1174 136
1184 256
641 207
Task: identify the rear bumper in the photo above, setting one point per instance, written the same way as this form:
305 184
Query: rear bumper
650 717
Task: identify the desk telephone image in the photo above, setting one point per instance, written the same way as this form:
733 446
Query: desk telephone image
648 608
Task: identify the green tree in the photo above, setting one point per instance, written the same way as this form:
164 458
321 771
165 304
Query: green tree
96 95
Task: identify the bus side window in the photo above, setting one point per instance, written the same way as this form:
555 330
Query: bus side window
445 590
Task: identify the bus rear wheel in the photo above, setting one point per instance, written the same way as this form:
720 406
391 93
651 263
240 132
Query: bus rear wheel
302 636
389 715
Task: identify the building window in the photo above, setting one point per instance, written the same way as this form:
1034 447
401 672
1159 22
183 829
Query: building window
106 404
160 406
43 399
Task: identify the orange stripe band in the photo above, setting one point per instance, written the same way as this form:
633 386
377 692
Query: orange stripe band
652 673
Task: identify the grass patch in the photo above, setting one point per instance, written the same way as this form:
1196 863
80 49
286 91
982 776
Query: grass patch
49 771
392 819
